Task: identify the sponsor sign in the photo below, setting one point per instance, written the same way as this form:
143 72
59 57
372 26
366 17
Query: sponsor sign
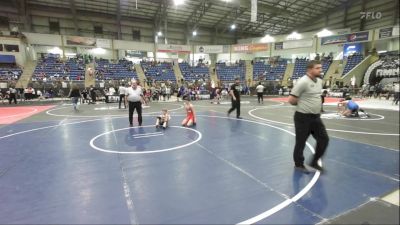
103 43
385 32
278 45
298 44
83 41
250 47
353 37
209 49
174 48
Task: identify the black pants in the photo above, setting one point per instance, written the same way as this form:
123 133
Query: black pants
138 107
260 97
235 105
396 98
122 98
93 97
12 97
306 124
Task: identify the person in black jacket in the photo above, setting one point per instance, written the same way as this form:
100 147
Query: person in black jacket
74 94
93 94
235 95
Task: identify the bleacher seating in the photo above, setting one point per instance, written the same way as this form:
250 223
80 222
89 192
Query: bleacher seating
259 69
277 70
300 68
53 67
9 73
229 73
263 71
195 72
352 61
325 65
115 71
159 71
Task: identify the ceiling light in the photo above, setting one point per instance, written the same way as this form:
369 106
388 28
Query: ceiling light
98 51
267 39
324 33
294 36
194 33
179 2
233 26
159 33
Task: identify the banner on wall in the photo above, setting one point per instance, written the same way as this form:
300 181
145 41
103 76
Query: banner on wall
349 49
103 43
174 48
278 45
335 39
356 37
85 41
7 58
250 47
298 44
396 31
210 49
135 54
385 32
343 38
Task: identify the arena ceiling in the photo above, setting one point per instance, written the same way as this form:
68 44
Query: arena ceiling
274 16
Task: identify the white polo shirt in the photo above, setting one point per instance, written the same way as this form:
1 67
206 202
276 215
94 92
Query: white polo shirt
134 95
121 90
260 88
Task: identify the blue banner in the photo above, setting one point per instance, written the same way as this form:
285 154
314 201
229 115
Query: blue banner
7 59
356 37
349 49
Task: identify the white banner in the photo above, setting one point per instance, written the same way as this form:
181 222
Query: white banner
3 85
253 11
298 44
396 31
173 48
103 43
209 49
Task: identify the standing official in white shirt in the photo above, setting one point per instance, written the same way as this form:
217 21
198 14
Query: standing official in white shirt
260 91
121 90
134 96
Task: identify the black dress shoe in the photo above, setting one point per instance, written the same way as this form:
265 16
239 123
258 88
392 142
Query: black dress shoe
302 169
317 167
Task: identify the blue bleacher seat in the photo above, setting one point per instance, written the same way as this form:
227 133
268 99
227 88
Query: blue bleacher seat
352 61
195 72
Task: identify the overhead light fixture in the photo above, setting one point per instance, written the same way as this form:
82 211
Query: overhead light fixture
194 33
55 50
267 39
294 36
179 2
324 33
233 26
159 33
98 51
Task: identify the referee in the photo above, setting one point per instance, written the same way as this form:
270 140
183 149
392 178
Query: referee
134 96
13 95
121 91
306 95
